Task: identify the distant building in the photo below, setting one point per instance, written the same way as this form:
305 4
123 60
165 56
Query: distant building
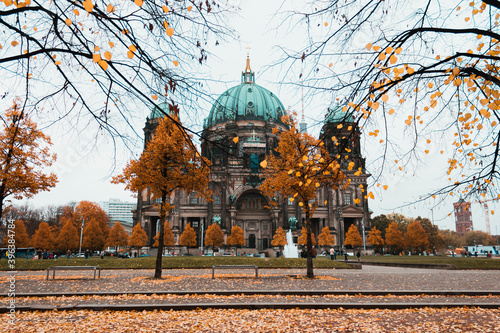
119 211
463 216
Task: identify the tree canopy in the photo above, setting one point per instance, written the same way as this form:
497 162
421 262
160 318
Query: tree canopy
188 237
296 169
214 236
24 153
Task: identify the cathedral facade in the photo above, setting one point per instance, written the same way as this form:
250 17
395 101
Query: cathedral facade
237 136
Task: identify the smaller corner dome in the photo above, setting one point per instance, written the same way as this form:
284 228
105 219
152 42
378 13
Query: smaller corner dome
160 111
335 114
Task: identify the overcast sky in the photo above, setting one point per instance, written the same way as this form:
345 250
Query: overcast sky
84 169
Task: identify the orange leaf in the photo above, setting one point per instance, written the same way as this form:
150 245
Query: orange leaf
368 46
110 8
130 54
88 5
68 21
263 164
139 2
170 31
14 43
103 64
236 139
165 9
107 55
189 8
176 63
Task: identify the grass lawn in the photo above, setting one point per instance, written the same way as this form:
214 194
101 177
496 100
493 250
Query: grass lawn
170 262
458 262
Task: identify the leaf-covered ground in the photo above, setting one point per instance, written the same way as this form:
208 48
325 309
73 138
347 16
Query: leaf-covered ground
252 321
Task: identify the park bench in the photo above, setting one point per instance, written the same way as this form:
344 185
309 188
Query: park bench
235 267
73 268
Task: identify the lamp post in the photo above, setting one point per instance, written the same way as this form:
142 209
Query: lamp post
81 237
202 225
364 240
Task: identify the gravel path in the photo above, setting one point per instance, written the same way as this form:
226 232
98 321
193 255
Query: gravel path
368 278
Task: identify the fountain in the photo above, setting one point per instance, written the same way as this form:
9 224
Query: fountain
290 250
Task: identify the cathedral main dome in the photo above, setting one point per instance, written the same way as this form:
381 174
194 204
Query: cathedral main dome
246 101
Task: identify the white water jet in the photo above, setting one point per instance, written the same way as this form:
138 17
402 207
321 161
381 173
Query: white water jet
290 250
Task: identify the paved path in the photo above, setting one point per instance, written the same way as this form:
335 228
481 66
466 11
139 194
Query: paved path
368 278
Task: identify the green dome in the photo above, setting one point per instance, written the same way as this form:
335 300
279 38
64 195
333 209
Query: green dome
337 115
246 101
159 111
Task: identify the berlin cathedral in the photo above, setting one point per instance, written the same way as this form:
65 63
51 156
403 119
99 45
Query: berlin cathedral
250 112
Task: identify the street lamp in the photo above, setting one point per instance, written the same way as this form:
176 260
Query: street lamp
81 237
364 240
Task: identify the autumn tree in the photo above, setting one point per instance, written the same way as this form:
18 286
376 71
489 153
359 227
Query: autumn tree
353 237
68 238
43 238
86 211
117 236
138 238
100 59
436 240
325 238
214 236
415 236
279 239
302 240
381 222
394 237
237 238
375 238
168 237
20 237
478 238
25 153
433 79
298 167
188 237
93 237
169 162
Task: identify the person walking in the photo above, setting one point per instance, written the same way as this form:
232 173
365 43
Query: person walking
358 255
332 254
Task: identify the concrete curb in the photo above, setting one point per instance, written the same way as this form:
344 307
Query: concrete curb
274 292
404 265
249 306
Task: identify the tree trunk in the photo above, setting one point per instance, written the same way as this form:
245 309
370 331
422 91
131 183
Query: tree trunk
310 272
159 256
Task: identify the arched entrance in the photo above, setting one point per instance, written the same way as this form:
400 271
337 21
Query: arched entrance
254 217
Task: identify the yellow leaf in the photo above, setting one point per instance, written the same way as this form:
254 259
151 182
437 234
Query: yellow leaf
304 158
263 164
107 55
297 174
357 201
176 63
291 199
68 21
339 126
110 8
317 184
88 5
301 204
103 64
236 139
290 172
350 166
170 31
